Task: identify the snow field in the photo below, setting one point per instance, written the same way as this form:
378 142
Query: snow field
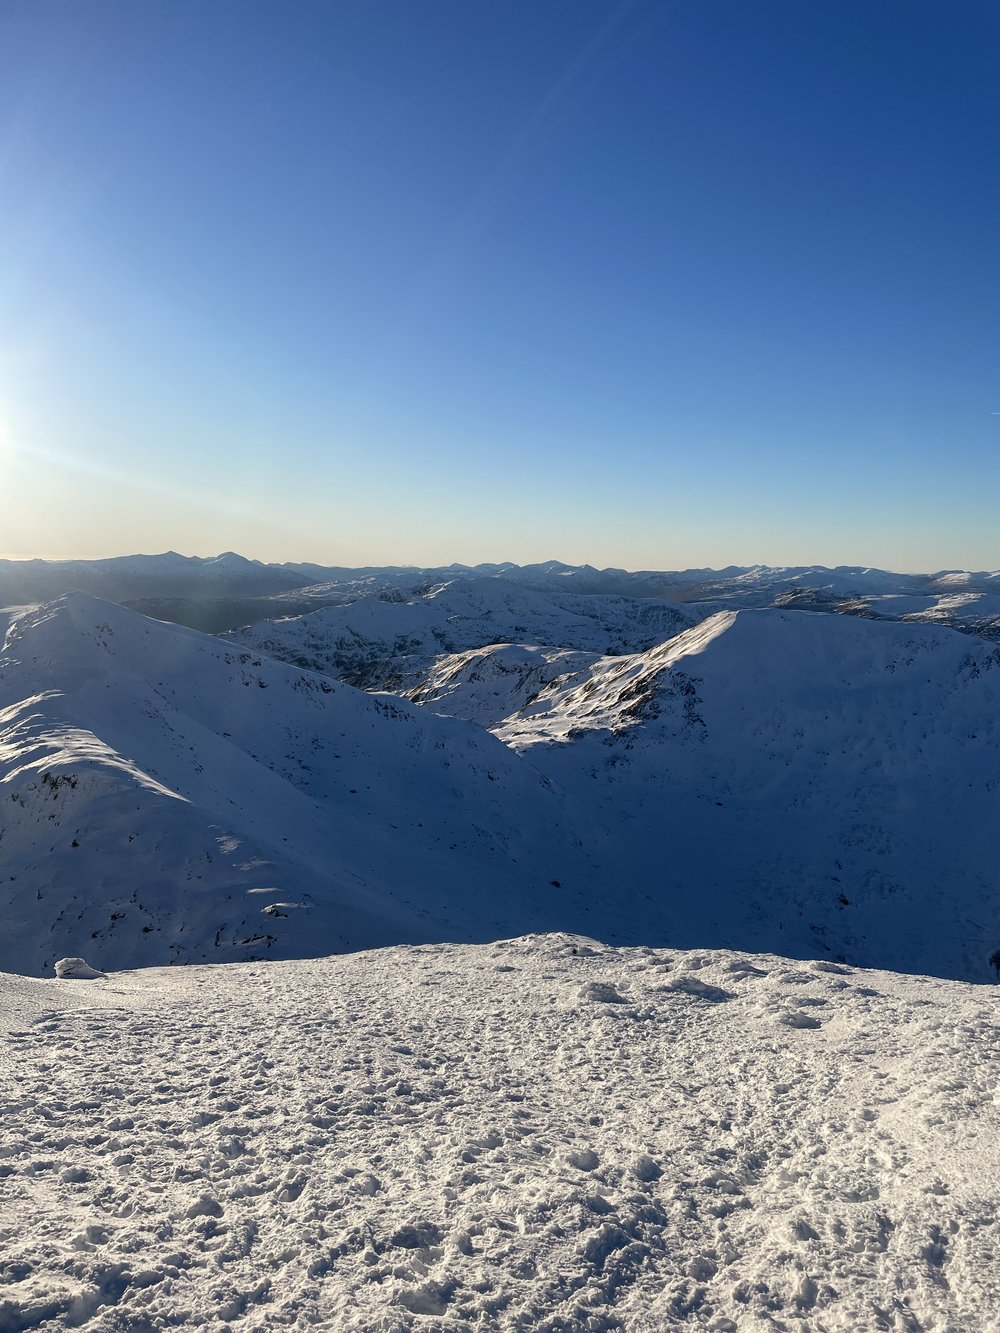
539 1134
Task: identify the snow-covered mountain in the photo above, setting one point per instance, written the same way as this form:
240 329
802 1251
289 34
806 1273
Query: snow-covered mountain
818 783
743 585
536 1134
167 797
223 592
972 612
775 775
488 685
391 639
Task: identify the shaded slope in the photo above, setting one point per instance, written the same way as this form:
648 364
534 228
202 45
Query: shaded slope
166 797
828 783
820 784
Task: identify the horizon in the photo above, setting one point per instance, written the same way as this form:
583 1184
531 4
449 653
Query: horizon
551 560
655 285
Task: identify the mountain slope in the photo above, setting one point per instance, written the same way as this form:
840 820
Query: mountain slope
825 785
164 797
390 640
826 782
487 685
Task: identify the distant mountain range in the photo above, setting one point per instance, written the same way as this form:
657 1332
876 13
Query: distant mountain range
131 576
227 591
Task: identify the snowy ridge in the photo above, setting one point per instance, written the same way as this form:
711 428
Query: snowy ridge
166 797
221 592
391 639
540 1135
488 685
778 776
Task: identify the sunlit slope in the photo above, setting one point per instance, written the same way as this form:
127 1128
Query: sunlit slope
392 638
828 783
487 685
164 796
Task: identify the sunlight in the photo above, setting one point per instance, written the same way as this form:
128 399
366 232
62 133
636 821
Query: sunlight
8 449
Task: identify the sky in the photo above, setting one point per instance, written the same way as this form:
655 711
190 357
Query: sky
657 284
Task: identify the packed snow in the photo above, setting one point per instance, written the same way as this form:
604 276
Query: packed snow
540 1134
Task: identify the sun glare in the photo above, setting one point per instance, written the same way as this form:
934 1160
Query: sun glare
7 447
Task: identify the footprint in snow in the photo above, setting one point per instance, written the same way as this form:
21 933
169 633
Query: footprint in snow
204 1206
644 1168
289 1189
795 1018
366 1185
740 968
584 1159
601 992
701 990
417 1236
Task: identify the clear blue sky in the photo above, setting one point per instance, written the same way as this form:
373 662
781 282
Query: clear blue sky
668 283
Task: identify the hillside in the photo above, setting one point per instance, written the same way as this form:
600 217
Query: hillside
166 797
488 685
820 782
391 639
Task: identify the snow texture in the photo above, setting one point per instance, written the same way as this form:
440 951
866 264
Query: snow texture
542 1135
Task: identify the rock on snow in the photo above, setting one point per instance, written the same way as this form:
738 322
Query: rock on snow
539 1134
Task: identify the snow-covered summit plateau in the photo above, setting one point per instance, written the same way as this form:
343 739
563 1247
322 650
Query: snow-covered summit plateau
541 1135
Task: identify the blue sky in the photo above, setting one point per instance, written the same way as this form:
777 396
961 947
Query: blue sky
654 284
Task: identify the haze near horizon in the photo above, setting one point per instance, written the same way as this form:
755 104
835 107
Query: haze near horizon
654 286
